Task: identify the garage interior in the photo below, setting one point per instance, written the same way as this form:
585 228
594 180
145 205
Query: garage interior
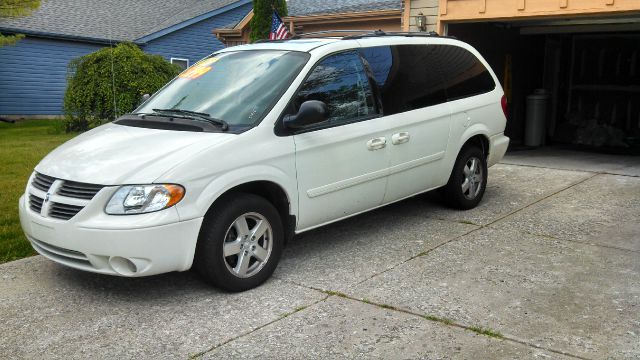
572 82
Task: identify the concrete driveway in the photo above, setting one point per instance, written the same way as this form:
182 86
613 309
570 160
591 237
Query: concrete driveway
547 267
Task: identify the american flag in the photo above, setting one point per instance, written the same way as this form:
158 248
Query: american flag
278 30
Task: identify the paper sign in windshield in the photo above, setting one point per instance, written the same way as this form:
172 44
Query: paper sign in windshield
198 69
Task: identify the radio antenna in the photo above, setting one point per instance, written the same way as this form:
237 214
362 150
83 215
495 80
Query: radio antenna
113 75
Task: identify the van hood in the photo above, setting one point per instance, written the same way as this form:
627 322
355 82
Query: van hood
116 154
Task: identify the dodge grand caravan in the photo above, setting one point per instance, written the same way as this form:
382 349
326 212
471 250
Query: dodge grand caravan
256 143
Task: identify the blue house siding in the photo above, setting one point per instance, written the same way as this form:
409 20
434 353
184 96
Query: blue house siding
33 75
196 41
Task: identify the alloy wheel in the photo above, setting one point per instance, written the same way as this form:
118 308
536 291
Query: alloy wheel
472 178
248 245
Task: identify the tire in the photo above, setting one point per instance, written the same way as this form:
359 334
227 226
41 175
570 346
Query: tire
466 186
228 228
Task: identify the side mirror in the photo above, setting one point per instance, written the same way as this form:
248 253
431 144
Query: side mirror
144 98
311 112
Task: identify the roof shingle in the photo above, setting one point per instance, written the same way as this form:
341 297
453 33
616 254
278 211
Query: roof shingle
318 7
119 20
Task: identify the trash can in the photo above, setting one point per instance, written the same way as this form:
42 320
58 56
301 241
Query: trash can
535 118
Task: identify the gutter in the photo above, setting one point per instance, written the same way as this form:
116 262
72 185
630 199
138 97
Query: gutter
48 35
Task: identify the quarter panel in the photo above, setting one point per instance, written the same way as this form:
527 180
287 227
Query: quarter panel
476 115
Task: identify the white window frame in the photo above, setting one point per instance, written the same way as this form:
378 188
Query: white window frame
181 59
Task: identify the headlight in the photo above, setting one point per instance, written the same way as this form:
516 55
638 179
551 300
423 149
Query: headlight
140 199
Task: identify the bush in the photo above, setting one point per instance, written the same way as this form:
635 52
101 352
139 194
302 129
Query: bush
89 98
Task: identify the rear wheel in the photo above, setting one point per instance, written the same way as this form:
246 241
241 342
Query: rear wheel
240 242
468 179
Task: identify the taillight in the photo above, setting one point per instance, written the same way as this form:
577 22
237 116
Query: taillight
505 106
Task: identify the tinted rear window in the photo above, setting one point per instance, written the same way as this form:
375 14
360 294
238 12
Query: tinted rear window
415 76
464 74
407 77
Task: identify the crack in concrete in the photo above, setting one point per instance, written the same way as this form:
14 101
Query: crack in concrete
200 354
565 169
579 242
446 322
476 329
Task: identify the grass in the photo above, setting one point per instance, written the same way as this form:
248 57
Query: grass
487 332
467 222
439 319
335 293
300 308
22 146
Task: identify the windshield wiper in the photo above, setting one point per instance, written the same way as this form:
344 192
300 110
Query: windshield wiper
194 115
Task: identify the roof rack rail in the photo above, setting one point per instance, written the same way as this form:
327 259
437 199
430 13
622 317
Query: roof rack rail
325 32
360 34
392 33
314 33
261 41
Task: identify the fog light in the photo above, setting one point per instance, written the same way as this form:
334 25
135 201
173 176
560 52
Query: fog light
123 266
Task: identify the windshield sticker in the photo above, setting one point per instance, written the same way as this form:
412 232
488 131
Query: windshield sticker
195 72
199 69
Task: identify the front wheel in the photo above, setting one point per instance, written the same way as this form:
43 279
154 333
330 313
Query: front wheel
468 179
240 242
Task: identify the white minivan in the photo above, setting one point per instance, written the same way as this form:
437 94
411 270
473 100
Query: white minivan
256 143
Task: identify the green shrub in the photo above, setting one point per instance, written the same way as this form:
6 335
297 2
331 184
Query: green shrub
123 70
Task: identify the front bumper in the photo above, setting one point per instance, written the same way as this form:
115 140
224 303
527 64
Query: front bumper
132 246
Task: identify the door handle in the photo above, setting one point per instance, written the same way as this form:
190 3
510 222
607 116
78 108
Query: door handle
400 138
377 143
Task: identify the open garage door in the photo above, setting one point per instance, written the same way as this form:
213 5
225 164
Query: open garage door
585 80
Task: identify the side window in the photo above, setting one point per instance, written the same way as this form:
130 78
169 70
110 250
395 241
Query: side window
380 61
407 76
341 82
464 73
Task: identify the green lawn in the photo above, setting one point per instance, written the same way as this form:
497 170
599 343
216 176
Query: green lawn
22 145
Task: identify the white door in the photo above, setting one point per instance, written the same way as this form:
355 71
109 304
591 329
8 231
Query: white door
341 164
418 145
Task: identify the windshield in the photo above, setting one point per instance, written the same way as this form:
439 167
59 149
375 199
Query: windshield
238 87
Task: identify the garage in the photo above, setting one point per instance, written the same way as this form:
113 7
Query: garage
571 78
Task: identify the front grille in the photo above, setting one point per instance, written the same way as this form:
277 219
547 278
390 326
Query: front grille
42 182
63 211
35 203
79 190
63 189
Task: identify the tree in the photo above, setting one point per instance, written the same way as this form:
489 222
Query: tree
262 14
15 8
110 82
